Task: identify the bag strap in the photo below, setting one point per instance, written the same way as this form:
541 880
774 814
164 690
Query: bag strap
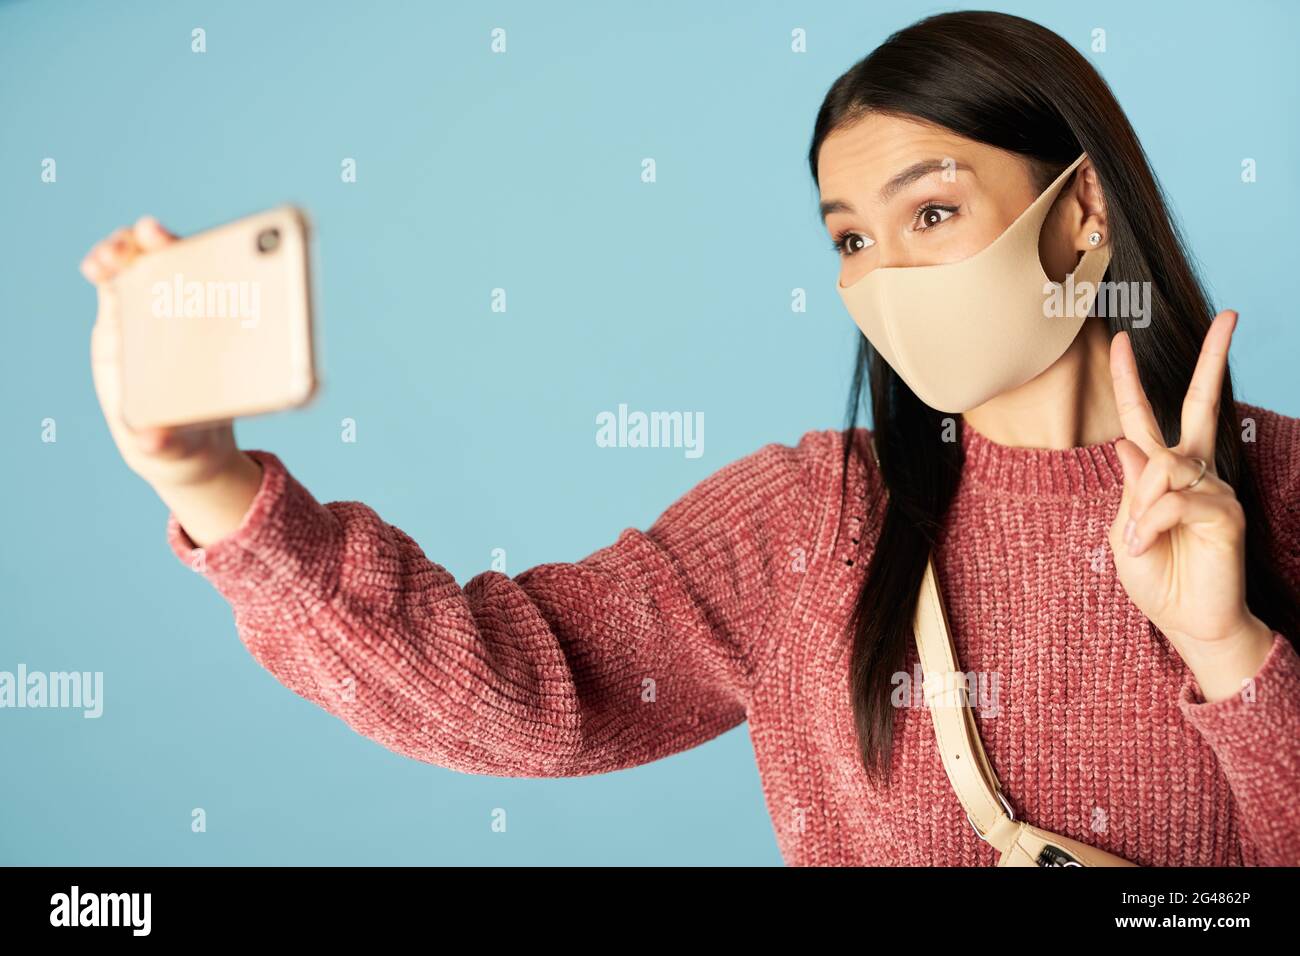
947 696
962 751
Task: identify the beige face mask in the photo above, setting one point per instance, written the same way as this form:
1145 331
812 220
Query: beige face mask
961 332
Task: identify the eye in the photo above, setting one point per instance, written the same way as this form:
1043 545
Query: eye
931 215
847 243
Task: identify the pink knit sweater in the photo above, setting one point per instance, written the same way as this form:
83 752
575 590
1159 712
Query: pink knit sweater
734 606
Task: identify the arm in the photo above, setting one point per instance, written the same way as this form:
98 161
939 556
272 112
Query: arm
640 650
1255 732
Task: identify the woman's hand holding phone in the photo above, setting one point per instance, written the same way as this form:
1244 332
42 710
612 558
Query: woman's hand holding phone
198 471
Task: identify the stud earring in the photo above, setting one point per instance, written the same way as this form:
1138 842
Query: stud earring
1094 238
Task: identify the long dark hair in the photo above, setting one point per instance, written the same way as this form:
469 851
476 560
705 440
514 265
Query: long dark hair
1013 84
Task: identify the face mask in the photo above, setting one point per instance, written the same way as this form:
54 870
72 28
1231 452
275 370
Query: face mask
961 332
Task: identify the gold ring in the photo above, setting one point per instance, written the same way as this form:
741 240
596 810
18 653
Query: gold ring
1197 480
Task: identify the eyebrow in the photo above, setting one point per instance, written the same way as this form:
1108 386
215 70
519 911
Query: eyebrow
902 179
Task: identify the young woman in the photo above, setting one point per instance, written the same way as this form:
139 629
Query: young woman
1116 537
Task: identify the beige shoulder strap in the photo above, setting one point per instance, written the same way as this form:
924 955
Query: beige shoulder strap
964 760
946 694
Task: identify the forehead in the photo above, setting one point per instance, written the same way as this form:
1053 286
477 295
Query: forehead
857 160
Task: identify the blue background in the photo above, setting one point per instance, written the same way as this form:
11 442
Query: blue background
476 429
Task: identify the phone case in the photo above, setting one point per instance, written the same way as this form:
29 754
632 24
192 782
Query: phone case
218 325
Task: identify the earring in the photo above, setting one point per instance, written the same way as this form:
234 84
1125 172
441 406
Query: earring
1094 238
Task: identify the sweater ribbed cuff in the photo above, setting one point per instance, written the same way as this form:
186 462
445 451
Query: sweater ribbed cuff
275 549
1272 697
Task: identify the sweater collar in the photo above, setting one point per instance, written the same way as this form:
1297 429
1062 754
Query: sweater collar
1085 471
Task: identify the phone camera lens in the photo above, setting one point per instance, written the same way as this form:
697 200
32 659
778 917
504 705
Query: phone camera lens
268 240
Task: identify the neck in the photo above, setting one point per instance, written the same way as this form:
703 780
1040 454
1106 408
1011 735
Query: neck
1069 405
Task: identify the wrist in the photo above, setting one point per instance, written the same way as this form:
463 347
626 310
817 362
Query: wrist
209 471
215 506
1222 665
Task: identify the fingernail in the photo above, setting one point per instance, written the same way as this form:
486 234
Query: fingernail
1130 530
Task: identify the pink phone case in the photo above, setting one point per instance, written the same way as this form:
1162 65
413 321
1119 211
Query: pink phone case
218 326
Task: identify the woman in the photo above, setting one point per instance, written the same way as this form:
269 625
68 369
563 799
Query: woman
1116 538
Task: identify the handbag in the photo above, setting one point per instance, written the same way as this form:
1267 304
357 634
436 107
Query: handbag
946 693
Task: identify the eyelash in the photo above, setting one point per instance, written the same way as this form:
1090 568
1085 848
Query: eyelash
837 244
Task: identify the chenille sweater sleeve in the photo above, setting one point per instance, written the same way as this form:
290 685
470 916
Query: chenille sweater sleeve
640 650
1255 734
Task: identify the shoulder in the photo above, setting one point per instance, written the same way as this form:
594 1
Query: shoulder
821 456
792 479
1270 442
823 468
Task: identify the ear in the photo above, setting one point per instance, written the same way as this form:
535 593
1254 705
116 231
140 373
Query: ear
1087 212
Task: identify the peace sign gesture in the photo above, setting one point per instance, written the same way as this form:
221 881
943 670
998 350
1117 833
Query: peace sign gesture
1179 536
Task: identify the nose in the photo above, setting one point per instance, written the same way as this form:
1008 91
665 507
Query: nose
883 255
890 255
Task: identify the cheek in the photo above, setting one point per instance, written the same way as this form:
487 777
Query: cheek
961 243
959 239
1056 247
1057 254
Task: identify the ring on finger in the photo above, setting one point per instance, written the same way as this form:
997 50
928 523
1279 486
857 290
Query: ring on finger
1197 480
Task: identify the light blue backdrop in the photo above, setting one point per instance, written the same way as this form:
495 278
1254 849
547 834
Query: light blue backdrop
476 429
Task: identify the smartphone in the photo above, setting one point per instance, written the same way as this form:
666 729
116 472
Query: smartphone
218 326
